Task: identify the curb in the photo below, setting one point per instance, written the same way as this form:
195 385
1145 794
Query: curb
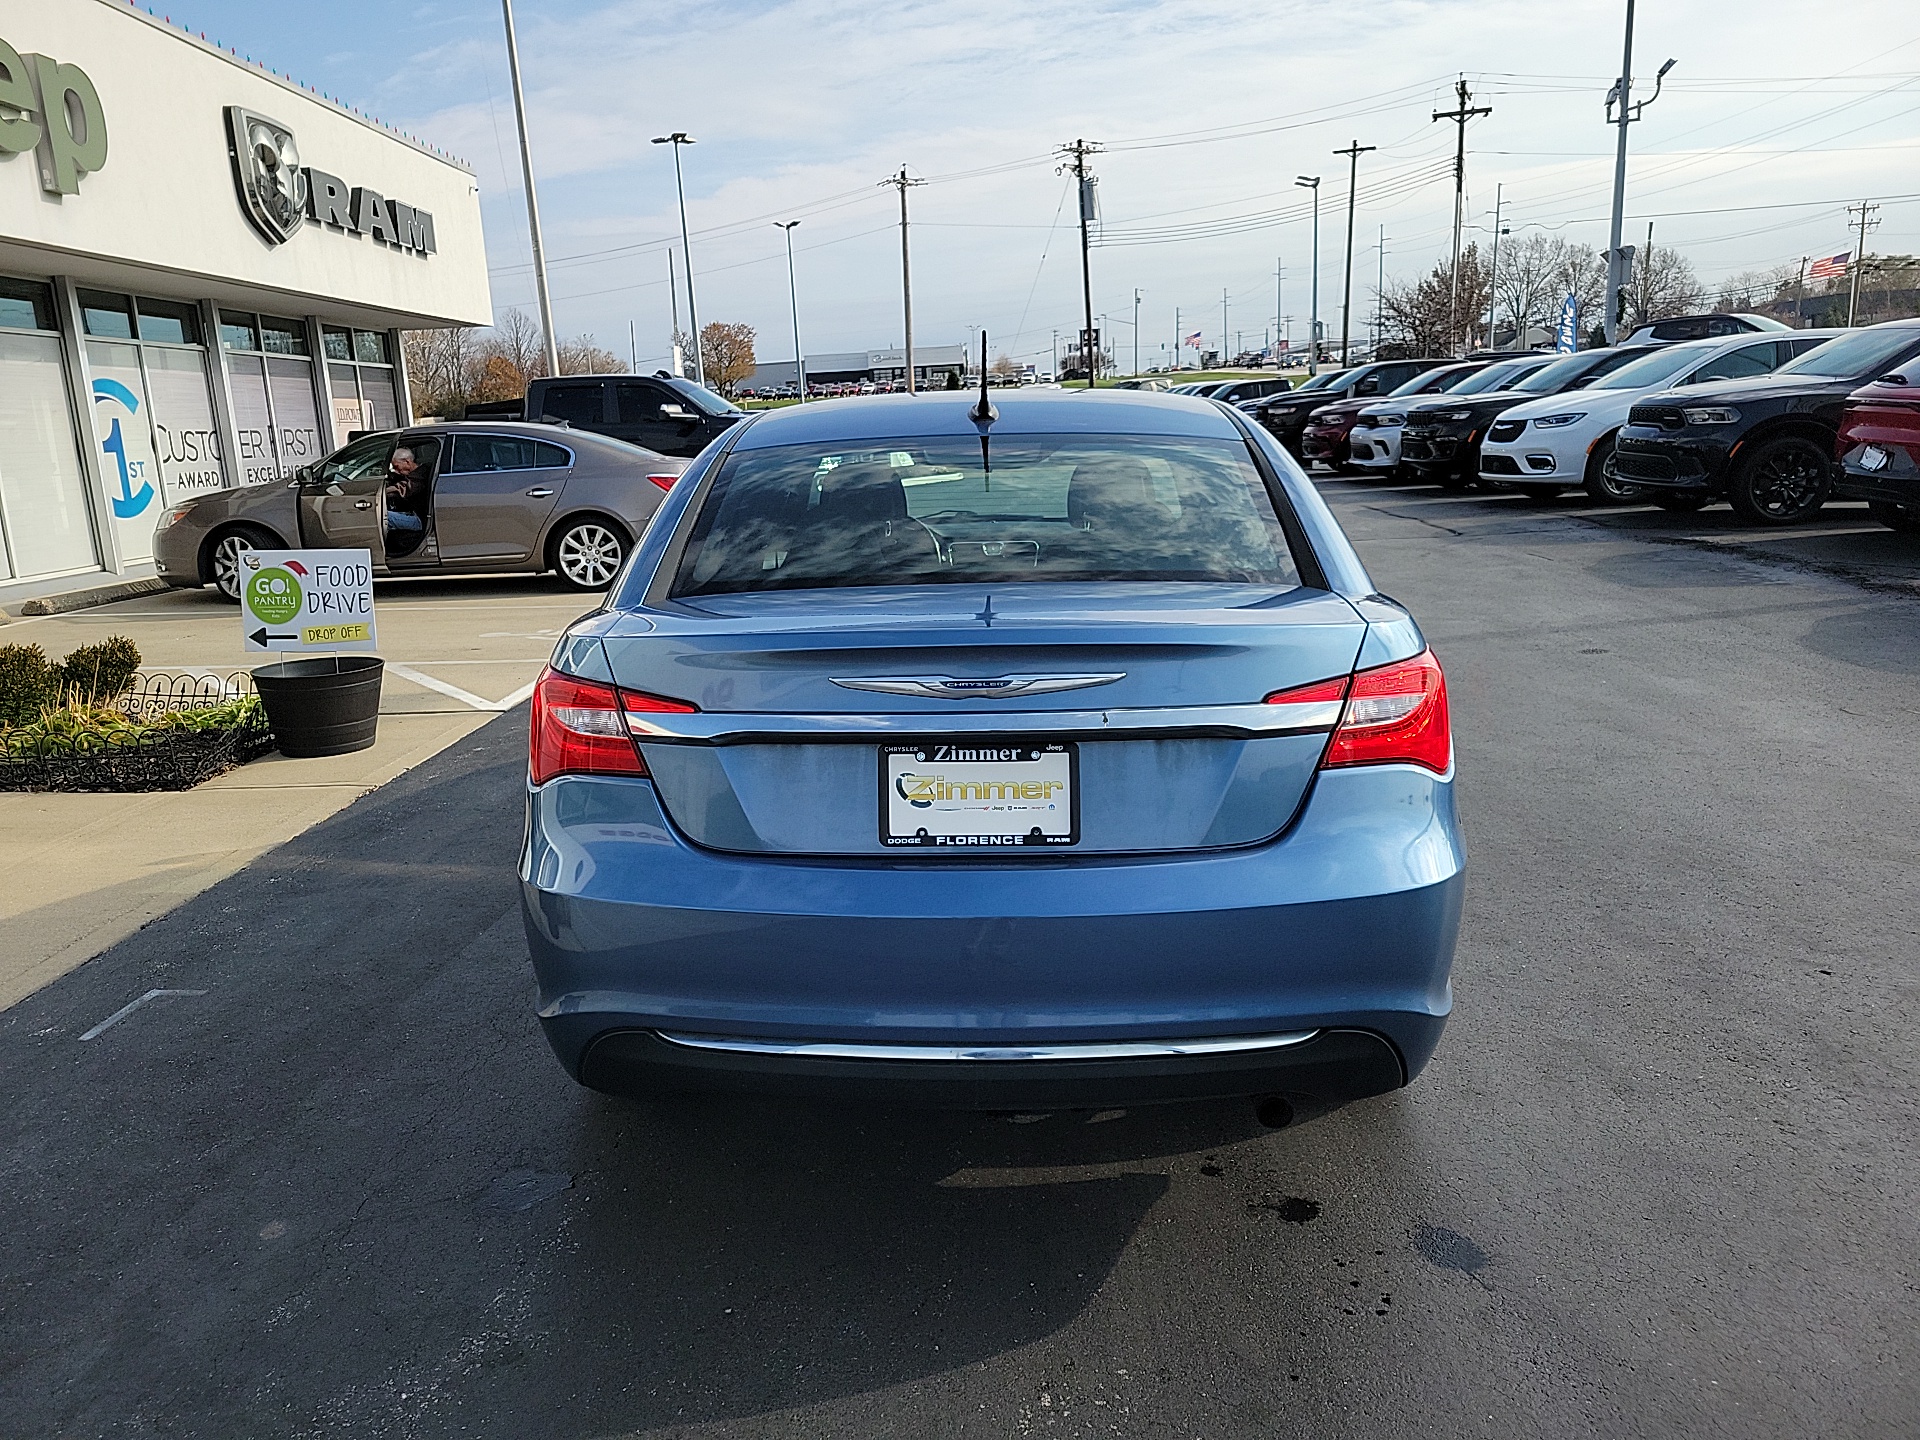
87 599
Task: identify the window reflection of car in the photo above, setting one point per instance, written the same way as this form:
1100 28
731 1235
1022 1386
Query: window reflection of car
487 498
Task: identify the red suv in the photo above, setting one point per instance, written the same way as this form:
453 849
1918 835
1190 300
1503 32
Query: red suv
1879 450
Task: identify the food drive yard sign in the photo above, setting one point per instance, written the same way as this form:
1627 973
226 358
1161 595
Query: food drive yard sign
294 600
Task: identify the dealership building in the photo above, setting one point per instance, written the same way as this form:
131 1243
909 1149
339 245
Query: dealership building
204 272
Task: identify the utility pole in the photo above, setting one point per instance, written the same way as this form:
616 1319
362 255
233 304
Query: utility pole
1866 210
1312 182
1620 95
1223 325
1353 152
533 203
1056 357
1279 304
633 350
1460 114
677 139
1379 288
673 340
1077 154
1493 271
1137 293
793 296
905 182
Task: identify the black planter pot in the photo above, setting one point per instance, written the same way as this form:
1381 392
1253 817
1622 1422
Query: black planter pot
322 704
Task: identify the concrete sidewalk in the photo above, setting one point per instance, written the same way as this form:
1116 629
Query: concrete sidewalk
79 873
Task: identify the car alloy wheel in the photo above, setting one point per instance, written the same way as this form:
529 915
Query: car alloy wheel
225 559
1603 482
589 554
1784 482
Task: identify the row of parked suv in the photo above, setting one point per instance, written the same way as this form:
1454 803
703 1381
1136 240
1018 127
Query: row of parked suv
1774 421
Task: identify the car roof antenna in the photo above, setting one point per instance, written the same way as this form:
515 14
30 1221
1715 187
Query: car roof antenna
983 414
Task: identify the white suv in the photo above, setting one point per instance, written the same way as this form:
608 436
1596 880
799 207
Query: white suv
1544 446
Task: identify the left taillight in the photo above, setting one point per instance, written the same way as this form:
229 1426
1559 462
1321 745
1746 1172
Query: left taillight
665 482
580 727
1393 715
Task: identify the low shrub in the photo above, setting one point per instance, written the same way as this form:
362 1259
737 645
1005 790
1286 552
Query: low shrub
27 684
95 674
84 729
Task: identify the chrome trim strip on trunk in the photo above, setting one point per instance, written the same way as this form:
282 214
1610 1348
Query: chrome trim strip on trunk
1088 1050
958 687
1227 722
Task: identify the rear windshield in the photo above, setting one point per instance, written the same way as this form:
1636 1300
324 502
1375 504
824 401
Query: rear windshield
1860 355
1035 508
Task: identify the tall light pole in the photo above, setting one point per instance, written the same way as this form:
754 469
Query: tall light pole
533 204
1620 96
1353 152
1312 182
1493 270
793 295
1136 329
905 182
1379 289
677 139
1223 326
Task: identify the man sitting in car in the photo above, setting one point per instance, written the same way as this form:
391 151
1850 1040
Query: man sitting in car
406 502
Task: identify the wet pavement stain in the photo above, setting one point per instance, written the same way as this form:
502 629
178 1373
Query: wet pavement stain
1450 1250
1294 1209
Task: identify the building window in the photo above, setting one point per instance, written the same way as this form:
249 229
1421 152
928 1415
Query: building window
338 343
108 316
238 332
26 305
46 523
364 394
370 346
168 322
282 337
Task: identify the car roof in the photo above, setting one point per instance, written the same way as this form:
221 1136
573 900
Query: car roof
531 430
1021 412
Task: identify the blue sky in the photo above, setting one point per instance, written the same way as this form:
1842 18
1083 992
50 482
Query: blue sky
1209 108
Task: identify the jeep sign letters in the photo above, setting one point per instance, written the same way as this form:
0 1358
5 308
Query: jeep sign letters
55 108
277 192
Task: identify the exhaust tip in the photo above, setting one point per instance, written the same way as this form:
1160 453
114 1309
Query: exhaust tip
1273 1111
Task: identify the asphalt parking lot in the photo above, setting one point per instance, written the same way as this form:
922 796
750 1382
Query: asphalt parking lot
1659 1180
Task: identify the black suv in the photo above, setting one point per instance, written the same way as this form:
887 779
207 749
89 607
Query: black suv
1442 438
663 413
1767 443
1286 415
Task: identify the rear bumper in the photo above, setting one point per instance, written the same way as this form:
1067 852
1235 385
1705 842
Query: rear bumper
1330 1068
1347 923
1896 482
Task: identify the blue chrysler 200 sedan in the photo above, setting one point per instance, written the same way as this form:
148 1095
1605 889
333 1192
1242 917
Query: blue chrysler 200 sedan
1049 753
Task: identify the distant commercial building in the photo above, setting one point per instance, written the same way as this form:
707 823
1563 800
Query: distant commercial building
931 366
204 272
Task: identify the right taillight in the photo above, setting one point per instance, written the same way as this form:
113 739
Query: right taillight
665 482
1396 714
578 730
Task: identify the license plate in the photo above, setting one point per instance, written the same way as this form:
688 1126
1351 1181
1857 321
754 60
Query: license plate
969 795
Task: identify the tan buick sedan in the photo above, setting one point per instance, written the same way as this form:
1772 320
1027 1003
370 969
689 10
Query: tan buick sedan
437 499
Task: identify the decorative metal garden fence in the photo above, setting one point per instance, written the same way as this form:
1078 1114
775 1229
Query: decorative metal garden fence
171 731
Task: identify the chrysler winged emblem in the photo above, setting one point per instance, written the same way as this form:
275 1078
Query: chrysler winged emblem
266 168
952 687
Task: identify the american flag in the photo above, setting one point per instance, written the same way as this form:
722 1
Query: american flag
1831 268
1194 340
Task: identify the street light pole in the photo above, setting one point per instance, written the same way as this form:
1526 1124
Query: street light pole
793 295
1353 152
1312 182
1136 330
533 204
1620 96
677 139
1493 270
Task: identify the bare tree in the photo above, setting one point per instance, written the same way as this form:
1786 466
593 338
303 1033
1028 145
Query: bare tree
517 340
1003 365
442 368
580 356
1662 284
1419 317
726 354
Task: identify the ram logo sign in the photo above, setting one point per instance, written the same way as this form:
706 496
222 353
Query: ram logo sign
278 193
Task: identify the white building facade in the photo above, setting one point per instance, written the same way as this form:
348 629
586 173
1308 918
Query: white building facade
204 273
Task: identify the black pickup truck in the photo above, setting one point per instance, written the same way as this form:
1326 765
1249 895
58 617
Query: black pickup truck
659 412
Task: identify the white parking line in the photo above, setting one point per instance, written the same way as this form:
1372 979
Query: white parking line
454 692
128 1009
